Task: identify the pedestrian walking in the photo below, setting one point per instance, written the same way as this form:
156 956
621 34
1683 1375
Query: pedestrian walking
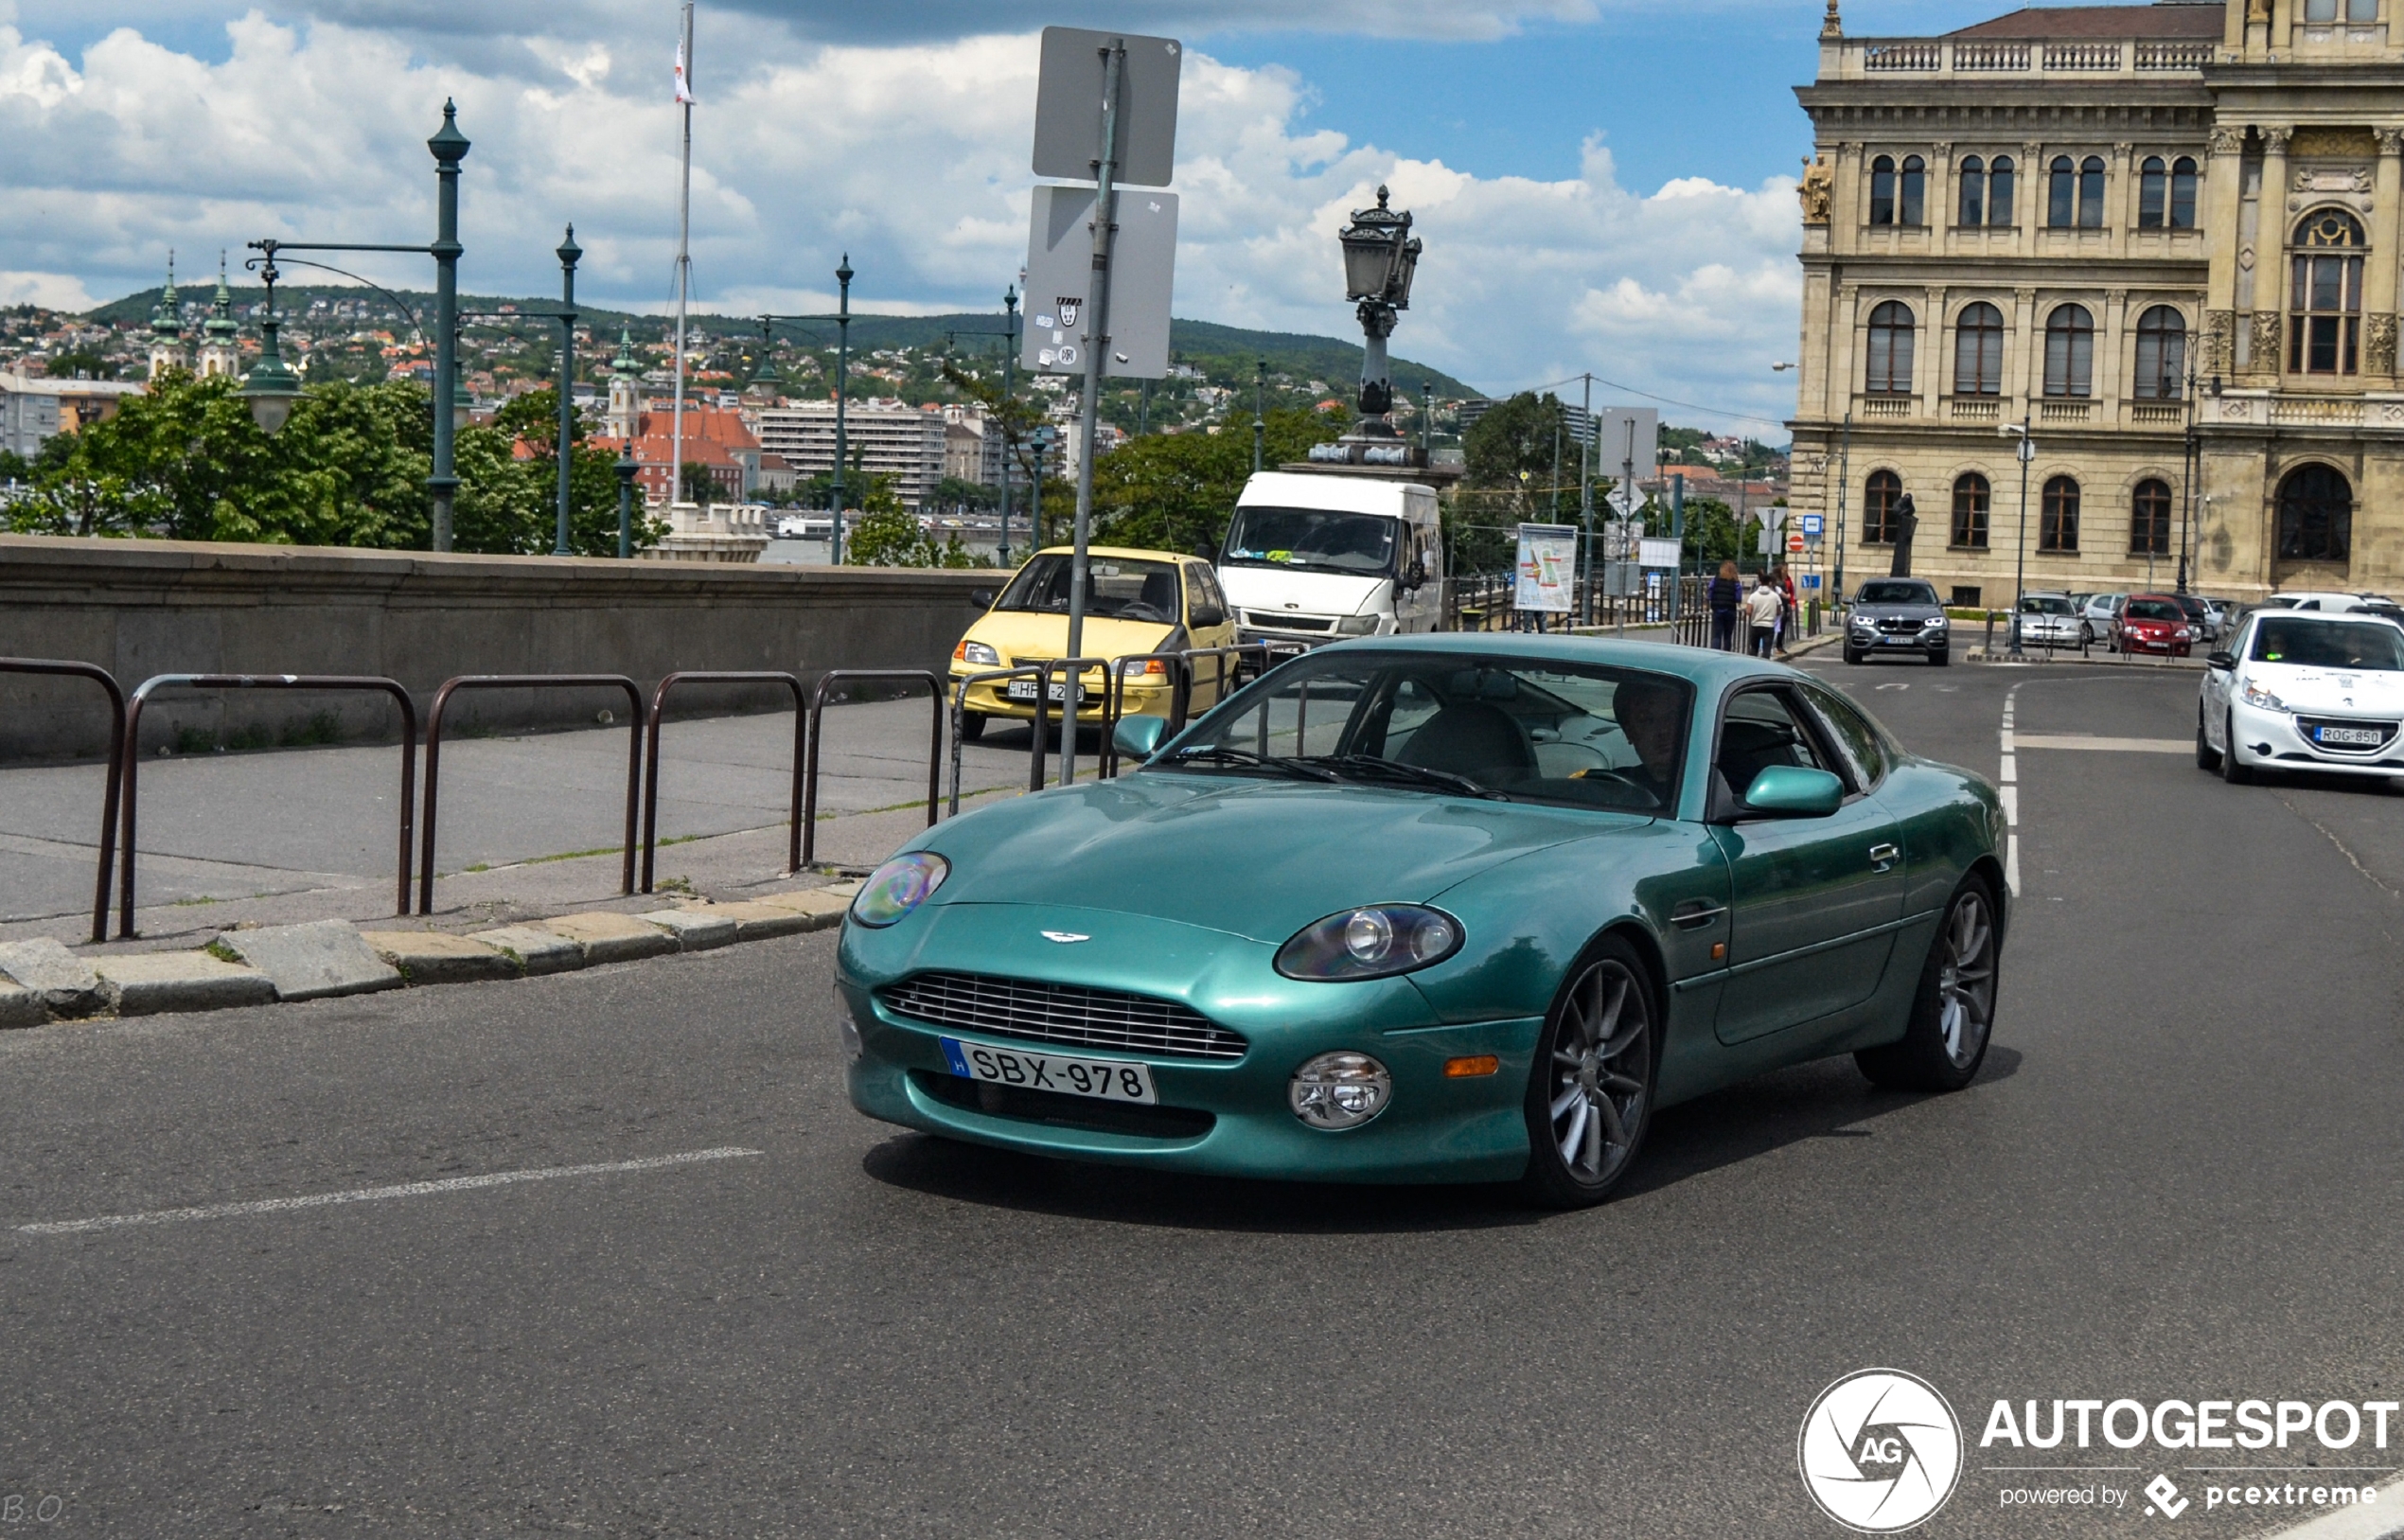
1726 592
1784 581
1762 615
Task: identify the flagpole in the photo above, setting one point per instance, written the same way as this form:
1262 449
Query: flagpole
683 252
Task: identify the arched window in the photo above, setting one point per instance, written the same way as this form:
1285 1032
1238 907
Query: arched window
2316 516
2183 194
1970 498
2162 355
2091 193
2062 193
2150 520
1890 355
1972 176
1880 521
1999 181
2324 304
2153 194
2070 350
2058 529
1883 190
1914 200
1978 351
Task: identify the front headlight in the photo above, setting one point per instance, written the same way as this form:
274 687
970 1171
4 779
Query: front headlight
977 654
1374 942
1937 624
1356 626
899 886
2255 695
1340 1090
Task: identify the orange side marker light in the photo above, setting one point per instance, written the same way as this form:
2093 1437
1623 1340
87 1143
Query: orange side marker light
1482 1063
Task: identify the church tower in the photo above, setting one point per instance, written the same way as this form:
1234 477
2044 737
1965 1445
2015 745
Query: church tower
167 328
625 417
219 356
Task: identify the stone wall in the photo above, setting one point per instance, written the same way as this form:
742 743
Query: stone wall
140 608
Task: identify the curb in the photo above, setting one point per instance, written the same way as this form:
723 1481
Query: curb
42 982
2106 659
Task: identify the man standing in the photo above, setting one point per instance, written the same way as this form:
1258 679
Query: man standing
1761 608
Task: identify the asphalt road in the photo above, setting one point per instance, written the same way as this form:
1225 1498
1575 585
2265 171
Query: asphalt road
2176 1178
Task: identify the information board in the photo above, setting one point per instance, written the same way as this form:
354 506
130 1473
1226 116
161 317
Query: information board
1546 568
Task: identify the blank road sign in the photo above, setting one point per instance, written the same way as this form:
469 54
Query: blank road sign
1144 261
1615 444
1068 106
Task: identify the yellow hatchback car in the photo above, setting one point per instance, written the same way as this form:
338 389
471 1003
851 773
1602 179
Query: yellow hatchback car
1135 601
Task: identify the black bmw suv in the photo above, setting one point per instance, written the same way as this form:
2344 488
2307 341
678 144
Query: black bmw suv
1898 614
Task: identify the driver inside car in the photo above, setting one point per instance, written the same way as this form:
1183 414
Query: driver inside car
1650 713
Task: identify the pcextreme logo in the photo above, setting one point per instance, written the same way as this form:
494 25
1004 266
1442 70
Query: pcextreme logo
1879 1451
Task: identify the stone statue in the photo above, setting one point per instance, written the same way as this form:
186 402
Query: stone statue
2257 10
1818 189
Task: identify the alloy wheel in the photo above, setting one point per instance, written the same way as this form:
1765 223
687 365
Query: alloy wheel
1602 1065
1966 978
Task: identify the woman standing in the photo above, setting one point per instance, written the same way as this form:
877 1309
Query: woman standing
1762 610
1726 592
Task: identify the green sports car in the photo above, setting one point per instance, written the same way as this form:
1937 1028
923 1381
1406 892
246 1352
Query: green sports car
1454 907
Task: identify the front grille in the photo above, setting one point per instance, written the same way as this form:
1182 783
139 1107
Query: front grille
1278 620
2308 726
1069 1015
1898 625
1060 1110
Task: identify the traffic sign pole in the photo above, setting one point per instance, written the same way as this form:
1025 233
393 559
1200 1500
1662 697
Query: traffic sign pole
1096 343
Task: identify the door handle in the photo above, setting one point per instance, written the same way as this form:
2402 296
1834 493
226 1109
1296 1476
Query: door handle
1883 856
1695 913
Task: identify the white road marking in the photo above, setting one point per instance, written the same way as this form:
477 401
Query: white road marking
1894 686
370 1194
2081 740
2009 786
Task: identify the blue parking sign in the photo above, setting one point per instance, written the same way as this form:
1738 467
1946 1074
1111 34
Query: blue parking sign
1812 523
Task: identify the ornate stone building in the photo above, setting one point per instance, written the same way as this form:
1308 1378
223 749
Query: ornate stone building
2163 239
167 328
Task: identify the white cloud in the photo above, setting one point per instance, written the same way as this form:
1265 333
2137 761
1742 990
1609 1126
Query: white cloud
52 291
911 157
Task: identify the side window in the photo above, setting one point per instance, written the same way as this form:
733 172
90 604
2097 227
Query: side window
1762 728
1206 605
1412 704
1856 741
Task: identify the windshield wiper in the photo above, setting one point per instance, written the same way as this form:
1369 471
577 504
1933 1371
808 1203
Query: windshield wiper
1246 758
1373 768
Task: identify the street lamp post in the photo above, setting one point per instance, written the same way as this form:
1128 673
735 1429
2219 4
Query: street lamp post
1009 334
1260 424
843 387
449 147
568 251
1380 258
625 469
2027 451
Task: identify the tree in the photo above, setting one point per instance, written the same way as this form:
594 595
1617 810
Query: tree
695 485
957 492
83 363
1177 492
886 534
533 420
1509 456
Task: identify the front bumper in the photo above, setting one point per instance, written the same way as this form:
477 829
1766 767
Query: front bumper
1436 1128
2167 646
1927 643
1146 695
2273 741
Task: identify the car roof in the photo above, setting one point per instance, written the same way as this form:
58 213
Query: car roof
1704 666
2273 611
1135 553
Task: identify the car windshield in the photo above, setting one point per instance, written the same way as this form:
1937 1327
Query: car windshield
2152 610
1896 593
2368 645
1315 539
2045 604
1517 729
2193 606
1116 589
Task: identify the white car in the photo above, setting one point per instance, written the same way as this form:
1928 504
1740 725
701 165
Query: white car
2333 603
2304 690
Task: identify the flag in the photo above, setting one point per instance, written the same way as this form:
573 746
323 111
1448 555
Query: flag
683 84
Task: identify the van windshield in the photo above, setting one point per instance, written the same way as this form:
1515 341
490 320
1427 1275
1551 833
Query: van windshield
1312 539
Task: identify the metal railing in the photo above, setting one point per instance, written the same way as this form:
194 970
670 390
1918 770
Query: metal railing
525 682
960 714
1221 676
1114 702
817 708
652 757
76 669
130 803
1071 697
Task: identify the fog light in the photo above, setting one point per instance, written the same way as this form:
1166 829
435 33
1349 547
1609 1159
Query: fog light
1340 1090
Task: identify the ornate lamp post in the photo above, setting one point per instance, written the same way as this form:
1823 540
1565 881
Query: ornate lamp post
1381 257
626 469
271 387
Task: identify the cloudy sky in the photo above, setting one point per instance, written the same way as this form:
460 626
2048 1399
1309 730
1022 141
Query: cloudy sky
1602 184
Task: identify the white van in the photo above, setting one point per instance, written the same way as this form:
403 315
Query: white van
1311 558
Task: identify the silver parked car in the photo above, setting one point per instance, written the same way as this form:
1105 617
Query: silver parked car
2097 615
2050 620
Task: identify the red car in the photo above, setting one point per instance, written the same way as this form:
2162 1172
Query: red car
2153 623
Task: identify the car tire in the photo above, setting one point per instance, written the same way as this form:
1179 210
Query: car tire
1591 1088
972 725
1853 656
2233 770
2207 757
1943 658
1953 1009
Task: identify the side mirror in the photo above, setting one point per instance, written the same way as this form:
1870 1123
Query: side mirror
2220 660
1138 737
1415 578
1792 791
1205 614
982 597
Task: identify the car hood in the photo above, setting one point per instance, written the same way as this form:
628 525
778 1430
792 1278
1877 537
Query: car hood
2338 692
1238 854
1018 635
1899 611
1274 589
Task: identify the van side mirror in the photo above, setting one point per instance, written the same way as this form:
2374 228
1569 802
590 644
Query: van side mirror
1414 578
1138 737
1795 791
2220 660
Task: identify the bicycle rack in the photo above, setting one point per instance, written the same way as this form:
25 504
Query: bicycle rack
76 669
142 693
1067 718
1115 700
526 681
817 706
652 757
959 713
